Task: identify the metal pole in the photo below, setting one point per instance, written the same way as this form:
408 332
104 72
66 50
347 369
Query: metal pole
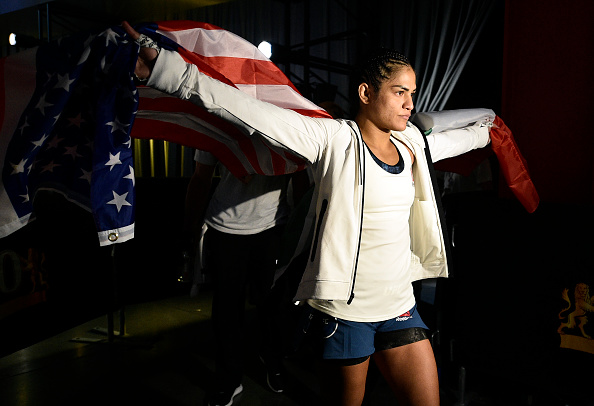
47 21
117 302
39 23
306 37
113 297
288 34
461 386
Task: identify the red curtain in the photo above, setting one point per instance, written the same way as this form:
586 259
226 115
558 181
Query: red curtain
548 94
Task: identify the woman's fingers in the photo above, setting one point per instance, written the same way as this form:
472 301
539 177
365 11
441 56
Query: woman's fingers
130 31
146 56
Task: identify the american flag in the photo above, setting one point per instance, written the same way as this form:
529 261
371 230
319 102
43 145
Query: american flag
71 131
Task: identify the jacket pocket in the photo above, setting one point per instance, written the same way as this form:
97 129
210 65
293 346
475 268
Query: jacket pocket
318 227
426 243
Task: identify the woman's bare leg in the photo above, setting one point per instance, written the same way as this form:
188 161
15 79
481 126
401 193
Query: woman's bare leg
343 385
411 372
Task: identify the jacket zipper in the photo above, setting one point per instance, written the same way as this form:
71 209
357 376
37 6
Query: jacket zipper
362 183
318 226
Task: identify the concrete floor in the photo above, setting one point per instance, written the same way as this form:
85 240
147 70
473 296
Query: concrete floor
165 358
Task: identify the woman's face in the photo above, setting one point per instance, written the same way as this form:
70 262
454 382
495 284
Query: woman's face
391 106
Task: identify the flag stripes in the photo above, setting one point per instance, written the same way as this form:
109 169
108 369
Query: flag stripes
70 130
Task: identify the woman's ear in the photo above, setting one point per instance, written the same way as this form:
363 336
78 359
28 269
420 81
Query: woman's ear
364 93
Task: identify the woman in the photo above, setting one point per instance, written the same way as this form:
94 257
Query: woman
377 226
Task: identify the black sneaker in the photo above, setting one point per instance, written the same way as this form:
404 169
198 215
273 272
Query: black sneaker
274 377
224 398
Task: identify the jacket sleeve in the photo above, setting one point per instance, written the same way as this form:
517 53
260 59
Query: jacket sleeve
304 136
451 143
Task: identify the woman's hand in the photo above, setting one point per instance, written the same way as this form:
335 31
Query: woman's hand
146 56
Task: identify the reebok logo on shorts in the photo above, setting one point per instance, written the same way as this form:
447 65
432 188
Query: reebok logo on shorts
404 316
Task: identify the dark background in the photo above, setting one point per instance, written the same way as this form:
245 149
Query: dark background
498 314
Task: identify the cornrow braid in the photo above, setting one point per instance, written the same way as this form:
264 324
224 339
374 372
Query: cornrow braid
380 65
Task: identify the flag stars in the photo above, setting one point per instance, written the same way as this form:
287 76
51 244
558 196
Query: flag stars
119 200
64 82
84 56
88 41
49 167
104 65
72 152
130 94
117 126
18 168
113 160
42 105
86 175
131 175
110 36
54 142
39 142
25 125
76 121
25 196
48 77
86 50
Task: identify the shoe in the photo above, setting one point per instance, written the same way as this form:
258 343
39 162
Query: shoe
274 378
224 398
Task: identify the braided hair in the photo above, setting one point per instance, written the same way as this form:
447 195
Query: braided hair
380 64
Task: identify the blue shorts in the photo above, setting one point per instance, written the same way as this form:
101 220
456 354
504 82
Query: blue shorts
353 341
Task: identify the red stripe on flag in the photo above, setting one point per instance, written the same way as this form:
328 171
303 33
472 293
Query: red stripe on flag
249 71
202 63
313 113
236 62
193 138
513 165
234 66
179 25
174 105
180 135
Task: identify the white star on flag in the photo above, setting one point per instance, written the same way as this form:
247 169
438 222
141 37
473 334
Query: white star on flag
25 196
70 117
64 82
42 105
19 168
40 142
117 126
86 175
131 175
119 200
110 36
113 160
25 125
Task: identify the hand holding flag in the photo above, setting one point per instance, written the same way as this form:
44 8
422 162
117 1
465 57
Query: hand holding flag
146 55
74 135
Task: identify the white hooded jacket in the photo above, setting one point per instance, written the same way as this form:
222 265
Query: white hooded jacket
334 148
